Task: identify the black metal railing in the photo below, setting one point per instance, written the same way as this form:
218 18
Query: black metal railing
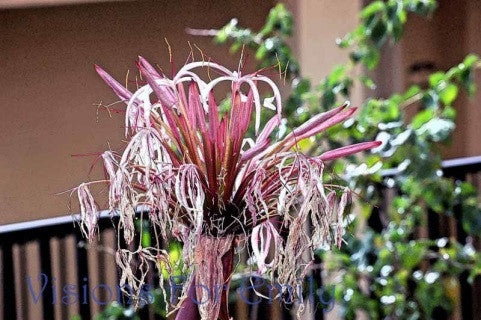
459 169
42 232
463 169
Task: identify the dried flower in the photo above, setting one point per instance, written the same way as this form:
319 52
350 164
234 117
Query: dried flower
207 184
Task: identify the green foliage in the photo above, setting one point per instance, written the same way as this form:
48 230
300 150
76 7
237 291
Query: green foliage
115 311
389 271
269 43
381 21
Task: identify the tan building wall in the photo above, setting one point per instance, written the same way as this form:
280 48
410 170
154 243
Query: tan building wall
48 85
444 40
320 23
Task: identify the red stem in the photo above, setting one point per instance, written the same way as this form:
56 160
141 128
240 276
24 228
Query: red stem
189 309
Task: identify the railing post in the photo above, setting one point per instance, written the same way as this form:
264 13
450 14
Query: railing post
8 279
46 268
82 274
465 287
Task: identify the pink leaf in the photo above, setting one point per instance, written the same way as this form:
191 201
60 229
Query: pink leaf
163 92
119 90
317 120
348 150
269 127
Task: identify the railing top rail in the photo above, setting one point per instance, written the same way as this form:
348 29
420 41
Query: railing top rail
63 223
465 164
45 223
462 165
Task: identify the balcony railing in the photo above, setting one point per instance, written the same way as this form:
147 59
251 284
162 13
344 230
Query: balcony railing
56 248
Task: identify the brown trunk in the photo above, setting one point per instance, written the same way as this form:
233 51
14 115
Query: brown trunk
209 291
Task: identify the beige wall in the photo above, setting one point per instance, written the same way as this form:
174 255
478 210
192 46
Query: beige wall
15 4
472 108
48 85
445 39
442 41
320 23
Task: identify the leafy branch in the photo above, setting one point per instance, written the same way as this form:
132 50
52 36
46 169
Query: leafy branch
419 268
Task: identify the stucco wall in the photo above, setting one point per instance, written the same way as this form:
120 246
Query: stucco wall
320 23
48 85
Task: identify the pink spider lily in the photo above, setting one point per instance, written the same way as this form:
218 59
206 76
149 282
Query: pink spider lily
204 182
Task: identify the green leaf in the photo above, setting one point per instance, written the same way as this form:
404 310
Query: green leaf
423 7
422 118
221 36
378 33
436 78
449 113
357 56
393 9
412 91
430 99
449 94
471 219
371 9
368 82
476 271
280 19
467 79
328 99
470 60
302 86
371 58
466 189
336 75
411 254
430 296
436 129
397 29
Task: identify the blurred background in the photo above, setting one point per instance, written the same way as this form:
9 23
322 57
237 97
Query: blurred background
50 91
